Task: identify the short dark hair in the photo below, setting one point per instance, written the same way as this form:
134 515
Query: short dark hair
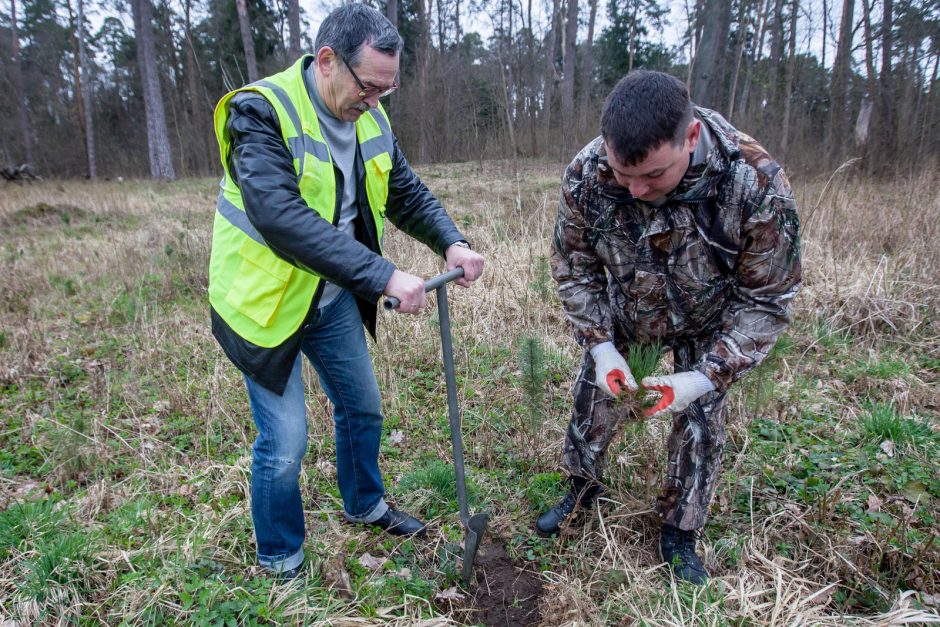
351 26
644 111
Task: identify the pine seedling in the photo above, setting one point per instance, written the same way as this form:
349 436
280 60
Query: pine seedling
642 360
543 278
531 358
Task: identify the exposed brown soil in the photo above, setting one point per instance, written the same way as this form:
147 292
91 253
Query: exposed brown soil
505 594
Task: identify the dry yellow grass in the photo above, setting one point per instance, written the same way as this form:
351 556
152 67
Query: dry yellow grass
91 279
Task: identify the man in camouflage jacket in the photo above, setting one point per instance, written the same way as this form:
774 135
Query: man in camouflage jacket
673 228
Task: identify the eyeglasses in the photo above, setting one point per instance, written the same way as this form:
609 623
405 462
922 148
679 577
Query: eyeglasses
370 90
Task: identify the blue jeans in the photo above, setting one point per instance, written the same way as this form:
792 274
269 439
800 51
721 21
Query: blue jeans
334 341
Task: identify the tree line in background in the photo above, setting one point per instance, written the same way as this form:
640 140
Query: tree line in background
106 88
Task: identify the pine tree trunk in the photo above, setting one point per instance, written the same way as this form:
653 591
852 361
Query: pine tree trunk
248 42
777 63
927 125
421 74
763 9
440 26
293 26
908 106
77 72
158 141
788 86
738 56
587 73
507 105
631 45
708 75
87 98
567 83
825 27
871 78
176 99
883 118
18 85
550 73
841 68
196 116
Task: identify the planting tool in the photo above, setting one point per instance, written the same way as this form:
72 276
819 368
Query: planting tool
475 526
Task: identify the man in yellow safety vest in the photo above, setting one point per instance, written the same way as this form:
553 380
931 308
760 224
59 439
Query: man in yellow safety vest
311 170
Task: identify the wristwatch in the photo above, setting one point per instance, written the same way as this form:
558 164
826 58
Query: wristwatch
462 243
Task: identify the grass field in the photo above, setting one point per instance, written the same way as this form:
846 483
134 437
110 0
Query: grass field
125 434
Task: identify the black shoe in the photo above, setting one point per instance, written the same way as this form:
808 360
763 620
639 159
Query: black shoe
290 574
549 523
677 548
399 523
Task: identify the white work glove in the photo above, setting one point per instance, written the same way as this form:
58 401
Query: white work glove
678 390
611 372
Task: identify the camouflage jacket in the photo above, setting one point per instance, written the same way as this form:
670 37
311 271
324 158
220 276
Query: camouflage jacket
718 263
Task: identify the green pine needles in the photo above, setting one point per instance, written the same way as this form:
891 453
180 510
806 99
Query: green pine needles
531 358
642 360
542 284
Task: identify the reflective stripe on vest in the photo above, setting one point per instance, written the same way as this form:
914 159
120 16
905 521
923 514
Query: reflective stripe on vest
238 218
262 297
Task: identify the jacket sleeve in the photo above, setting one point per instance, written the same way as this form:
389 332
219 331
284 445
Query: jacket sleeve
263 169
412 208
766 280
579 273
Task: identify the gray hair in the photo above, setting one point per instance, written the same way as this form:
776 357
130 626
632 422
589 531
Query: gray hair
353 25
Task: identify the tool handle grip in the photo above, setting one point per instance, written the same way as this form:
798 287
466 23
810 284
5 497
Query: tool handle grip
431 284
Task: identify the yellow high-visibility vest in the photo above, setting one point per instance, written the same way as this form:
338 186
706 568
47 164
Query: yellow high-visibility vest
259 295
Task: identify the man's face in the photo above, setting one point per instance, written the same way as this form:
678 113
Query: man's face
662 169
340 90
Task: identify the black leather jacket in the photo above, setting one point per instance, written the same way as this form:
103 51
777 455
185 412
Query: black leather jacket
264 171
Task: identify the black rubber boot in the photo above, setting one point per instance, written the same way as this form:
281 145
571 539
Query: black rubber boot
677 548
581 493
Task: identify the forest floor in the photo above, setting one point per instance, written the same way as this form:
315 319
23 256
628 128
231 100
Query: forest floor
125 434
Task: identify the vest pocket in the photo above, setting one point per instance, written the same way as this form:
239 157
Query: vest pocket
260 283
377 183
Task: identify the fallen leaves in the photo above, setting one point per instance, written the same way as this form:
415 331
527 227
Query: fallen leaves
326 467
372 563
450 594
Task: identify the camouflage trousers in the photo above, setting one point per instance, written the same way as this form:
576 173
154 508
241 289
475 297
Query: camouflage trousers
694 446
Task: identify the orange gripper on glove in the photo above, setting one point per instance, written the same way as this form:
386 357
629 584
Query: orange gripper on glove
616 380
669 395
